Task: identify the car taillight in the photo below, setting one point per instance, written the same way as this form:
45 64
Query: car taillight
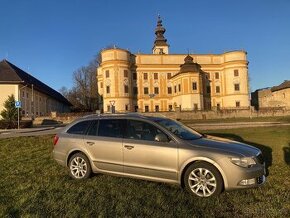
55 139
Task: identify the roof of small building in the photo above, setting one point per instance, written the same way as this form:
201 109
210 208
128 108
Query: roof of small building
11 74
284 85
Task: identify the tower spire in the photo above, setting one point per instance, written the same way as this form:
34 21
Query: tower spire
160 43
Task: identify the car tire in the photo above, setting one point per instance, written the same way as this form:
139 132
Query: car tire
79 166
203 180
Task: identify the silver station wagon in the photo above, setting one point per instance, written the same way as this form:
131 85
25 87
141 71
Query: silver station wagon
157 149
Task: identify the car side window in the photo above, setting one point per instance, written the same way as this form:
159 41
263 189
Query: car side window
79 128
141 130
110 128
93 129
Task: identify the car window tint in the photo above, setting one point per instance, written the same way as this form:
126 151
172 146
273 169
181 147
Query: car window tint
79 128
141 130
93 129
110 128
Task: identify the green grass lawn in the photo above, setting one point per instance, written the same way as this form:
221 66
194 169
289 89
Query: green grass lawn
33 184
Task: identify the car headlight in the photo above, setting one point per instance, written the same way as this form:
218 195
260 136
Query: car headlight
246 162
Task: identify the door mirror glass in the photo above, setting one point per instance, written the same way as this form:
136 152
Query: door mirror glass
160 137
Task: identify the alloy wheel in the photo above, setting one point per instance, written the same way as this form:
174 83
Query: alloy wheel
202 182
78 167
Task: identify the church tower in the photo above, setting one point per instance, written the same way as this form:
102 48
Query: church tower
160 43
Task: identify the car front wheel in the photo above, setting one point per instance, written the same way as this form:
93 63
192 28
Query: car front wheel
203 180
79 166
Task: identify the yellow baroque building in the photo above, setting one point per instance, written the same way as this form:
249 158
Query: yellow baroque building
166 82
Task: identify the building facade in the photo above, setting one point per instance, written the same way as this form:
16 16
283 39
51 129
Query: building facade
163 82
37 99
274 97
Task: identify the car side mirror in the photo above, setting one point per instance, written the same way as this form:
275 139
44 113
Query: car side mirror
161 138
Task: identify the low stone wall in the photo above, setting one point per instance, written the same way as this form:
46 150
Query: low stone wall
187 115
220 114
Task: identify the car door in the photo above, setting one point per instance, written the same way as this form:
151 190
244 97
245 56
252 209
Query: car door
145 157
104 144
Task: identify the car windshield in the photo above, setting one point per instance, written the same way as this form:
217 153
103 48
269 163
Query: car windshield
179 129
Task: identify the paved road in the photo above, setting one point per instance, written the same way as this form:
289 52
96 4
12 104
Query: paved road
197 126
29 132
210 126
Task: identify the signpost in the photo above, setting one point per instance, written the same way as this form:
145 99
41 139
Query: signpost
18 106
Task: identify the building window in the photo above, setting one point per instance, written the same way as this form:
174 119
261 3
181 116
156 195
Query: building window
107 73
135 90
208 89
126 89
217 89
134 76
156 108
146 92
195 106
169 90
237 87
145 76
23 94
108 108
238 104
101 85
125 73
146 108
126 107
179 87
170 107
175 89
156 90
168 75
155 75
236 72
217 75
194 86
108 89
284 95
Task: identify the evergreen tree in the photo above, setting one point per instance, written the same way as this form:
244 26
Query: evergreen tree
9 113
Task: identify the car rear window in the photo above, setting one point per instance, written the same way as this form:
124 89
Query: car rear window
79 128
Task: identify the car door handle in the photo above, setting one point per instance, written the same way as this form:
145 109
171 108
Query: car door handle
129 147
90 143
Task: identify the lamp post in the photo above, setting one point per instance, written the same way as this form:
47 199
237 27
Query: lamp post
18 108
32 103
112 103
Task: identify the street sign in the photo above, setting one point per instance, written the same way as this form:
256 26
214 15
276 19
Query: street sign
18 104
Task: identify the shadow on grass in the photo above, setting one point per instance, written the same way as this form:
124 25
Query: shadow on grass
287 154
267 151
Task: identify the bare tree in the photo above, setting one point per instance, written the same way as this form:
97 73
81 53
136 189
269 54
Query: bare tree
84 93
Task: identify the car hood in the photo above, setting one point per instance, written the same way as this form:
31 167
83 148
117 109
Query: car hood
227 145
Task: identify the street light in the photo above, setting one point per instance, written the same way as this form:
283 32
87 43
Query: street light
112 103
18 116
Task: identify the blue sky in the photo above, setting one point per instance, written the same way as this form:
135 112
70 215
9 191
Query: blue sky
51 39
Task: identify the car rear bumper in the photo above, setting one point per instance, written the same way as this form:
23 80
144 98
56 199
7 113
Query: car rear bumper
59 157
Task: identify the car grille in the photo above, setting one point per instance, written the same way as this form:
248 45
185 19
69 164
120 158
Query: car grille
260 158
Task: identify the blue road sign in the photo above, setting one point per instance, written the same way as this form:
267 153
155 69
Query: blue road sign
18 104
